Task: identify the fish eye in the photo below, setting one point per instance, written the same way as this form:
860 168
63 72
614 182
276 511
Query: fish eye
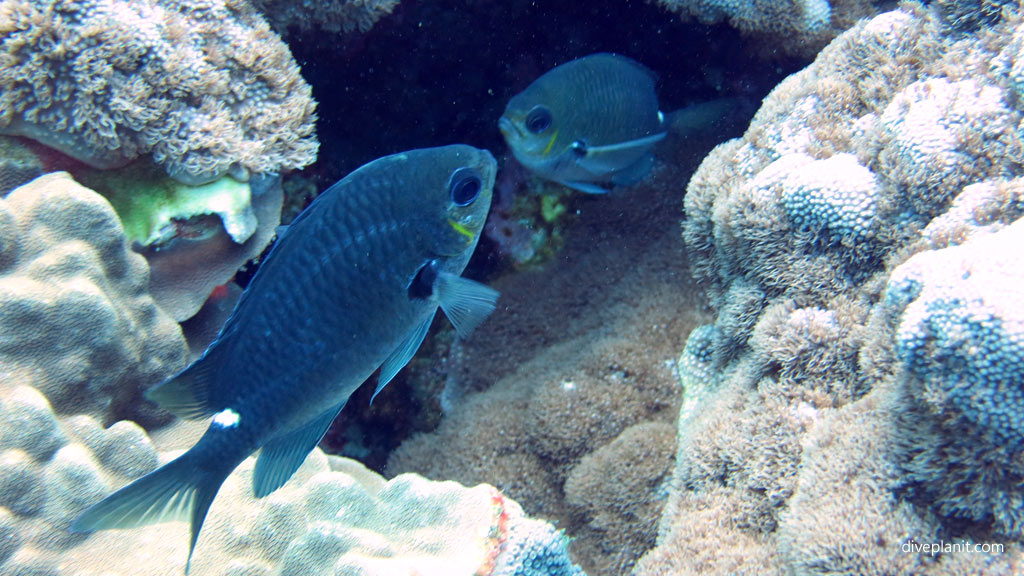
538 119
464 186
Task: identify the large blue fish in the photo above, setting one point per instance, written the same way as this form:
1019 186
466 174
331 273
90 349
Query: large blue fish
350 287
588 124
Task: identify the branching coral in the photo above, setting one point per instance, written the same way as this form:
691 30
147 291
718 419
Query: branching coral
202 86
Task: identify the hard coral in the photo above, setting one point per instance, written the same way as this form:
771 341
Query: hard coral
202 86
858 391
77 320
339 518
960 337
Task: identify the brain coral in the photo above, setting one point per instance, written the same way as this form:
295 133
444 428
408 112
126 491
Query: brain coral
77 320
203 86
859 392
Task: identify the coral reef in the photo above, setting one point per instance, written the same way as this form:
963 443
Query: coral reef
81 339
346 16
855 397
334 517
77 320
959 337
202 87
793 27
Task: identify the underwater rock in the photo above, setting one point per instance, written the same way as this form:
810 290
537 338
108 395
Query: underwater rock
203 87
78 322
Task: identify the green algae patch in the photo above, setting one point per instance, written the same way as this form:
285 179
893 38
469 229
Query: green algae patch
154 208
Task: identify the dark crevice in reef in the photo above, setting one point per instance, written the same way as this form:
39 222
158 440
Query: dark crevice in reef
440 72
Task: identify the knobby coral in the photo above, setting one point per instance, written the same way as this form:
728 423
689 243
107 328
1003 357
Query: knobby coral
77 320
335 517
203 86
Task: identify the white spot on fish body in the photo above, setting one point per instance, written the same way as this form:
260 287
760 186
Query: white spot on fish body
227 418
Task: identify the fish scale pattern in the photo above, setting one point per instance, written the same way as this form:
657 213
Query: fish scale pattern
962 331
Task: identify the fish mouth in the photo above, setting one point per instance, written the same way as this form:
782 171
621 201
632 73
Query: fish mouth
508 129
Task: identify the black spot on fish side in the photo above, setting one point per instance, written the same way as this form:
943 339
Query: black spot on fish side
422 285
579 148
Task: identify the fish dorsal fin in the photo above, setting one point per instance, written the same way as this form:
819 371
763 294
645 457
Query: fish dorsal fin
627 146
283 455
402 355
465 302
188 395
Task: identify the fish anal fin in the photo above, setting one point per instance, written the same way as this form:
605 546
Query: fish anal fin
402 355
283 455
465 302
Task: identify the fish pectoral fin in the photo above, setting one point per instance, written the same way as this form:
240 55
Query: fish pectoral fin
466 303
635 172
402 355
587 187
181 490
283 455
187 395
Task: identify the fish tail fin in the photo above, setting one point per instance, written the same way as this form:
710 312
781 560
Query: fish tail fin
182 489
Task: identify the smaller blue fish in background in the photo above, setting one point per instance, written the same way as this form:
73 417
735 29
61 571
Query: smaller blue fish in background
588 124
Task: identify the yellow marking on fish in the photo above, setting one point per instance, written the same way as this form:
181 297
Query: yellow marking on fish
461 229
551 144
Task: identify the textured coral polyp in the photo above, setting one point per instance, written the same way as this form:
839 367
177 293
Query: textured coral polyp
203 87
861 387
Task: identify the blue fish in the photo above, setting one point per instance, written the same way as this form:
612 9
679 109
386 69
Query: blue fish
588 124
350 287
